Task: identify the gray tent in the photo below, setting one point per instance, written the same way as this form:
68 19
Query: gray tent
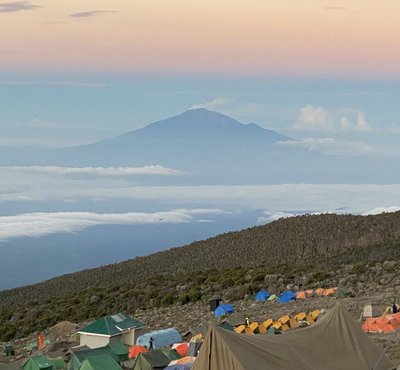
334 342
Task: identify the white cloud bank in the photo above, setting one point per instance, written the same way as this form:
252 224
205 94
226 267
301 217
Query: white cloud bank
46 223
379 210
312 118
215 103
97 171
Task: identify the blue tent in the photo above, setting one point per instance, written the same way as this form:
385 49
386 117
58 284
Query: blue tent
262 295
287 297
161 338
224 309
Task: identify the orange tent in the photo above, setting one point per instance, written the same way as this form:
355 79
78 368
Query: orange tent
319 291
135 350
310 292
301 295
329 291
382 324
181 348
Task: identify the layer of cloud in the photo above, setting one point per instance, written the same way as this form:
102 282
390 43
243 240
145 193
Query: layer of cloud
91 13
215 103
312 118
16 6
46 223
273 216
379 210
332 146
97 171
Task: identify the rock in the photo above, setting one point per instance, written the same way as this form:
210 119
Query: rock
271 278
94 299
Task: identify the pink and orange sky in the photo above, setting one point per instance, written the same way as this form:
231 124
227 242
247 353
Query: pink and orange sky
244 37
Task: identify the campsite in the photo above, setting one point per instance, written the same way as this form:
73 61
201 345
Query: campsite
273 330
148 311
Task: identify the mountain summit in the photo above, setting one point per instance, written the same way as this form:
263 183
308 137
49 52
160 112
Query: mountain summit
208 124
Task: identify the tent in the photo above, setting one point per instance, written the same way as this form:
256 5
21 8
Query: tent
334 342
342 293
43 363
78 355
301 295
262 296
184 360
328 292
314 315
319 291
161 338
181 348
135 350
267 323
100 362
383 324
272 297
152 360
224 309
172 354
119 349
310 292
287 296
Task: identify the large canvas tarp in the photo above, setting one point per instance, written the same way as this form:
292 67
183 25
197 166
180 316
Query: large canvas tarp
334 342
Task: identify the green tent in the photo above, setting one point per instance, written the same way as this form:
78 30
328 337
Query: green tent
152 360
172 354
272 297
43 363
100 362
78 356
342 293
119 349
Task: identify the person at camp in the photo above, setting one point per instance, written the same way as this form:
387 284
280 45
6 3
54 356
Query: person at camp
151 343
394 308
247 321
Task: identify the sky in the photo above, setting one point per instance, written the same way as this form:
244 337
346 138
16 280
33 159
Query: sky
246 37
324 72
86 71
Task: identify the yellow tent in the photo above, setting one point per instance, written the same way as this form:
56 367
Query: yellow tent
301 316
240 329
268 323
314 314
254 327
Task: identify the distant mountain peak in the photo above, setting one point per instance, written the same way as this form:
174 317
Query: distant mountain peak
197 117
